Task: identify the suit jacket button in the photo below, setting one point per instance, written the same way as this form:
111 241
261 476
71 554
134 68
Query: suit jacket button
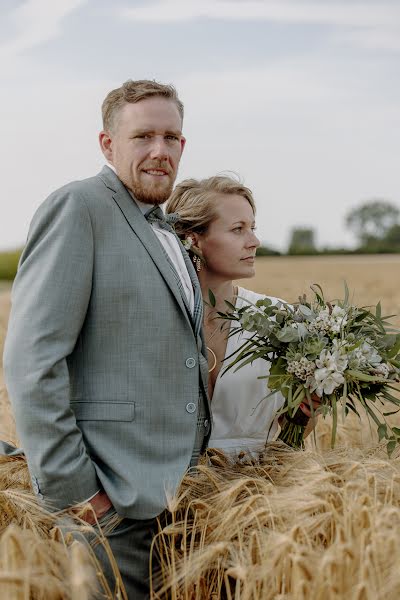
190 363
191 407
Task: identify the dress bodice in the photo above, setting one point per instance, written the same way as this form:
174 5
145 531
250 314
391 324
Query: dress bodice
243 419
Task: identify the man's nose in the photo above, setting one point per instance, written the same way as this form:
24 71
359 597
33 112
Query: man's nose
159 148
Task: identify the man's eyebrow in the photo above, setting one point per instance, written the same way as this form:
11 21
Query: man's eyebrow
152 130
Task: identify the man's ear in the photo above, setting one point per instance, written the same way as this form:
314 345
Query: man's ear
183 143
105 141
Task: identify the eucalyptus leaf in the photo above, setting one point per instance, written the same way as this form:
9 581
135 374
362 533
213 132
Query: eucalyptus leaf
390 446
382 431
211 298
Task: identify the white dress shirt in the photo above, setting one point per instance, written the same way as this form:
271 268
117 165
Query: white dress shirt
170 244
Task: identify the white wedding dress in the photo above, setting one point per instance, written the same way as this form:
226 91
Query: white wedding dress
242 419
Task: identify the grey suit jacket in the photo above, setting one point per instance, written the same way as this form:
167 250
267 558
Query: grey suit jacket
101 359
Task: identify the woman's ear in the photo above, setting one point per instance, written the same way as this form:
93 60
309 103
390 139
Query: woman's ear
192 239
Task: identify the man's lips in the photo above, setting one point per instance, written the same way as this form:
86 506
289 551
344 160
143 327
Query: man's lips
249 258
156 172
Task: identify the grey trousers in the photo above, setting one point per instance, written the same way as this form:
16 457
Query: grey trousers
130 543
131 540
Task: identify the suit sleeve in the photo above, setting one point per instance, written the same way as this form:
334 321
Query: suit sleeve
49 302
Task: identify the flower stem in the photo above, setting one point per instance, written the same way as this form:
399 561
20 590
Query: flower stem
292 434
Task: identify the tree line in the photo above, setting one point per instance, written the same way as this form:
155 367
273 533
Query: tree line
375 224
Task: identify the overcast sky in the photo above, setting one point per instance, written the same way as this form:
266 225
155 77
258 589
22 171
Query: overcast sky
300 98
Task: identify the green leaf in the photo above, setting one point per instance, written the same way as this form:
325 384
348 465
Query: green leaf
253 356
382 431
299 394
211 298
287 334
395 349
378 311
390 446
396 430
346 293
389 414
390 398
364 376
230 305
305 311
334 420
317 289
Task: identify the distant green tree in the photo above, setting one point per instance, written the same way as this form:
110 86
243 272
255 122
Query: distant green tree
302 241
267 251
392 237
371 221
9 264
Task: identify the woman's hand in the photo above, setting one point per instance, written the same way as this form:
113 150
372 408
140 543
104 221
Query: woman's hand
306 409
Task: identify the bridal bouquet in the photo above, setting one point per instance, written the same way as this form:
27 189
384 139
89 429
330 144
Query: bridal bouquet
348 357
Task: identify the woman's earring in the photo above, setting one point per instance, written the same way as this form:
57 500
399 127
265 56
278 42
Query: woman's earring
197 262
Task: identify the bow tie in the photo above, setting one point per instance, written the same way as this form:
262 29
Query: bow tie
156 215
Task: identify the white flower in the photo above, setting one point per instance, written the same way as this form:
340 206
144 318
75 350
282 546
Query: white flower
330 322
371 354
327 381
326 361
382 370
363 356
338 319
329 373
340 345
339 314
302 368
331 361
323 315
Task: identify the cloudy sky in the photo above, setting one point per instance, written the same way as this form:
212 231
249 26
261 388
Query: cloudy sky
300 98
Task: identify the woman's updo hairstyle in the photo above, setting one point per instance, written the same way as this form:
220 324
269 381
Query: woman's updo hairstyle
196 200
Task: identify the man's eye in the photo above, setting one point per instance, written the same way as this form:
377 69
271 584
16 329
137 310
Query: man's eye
238 228
172 137
142 136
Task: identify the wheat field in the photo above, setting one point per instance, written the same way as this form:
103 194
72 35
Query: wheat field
318 524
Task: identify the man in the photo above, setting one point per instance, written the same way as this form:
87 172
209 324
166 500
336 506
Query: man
104 358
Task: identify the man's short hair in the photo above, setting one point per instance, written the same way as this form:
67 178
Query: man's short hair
135 91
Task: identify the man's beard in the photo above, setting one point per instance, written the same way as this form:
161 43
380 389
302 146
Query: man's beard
149 194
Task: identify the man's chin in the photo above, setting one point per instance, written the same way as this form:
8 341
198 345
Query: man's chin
151 195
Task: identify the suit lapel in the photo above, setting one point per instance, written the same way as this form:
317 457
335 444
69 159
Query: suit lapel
143 231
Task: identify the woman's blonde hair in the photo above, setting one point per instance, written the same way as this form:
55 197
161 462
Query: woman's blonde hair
196 201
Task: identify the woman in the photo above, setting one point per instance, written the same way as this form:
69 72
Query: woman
216 222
